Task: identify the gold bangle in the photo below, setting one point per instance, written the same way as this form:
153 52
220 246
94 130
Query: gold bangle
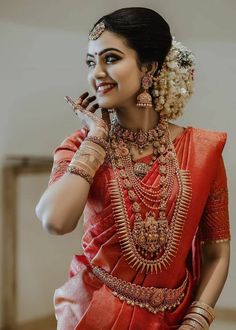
193 323
81 173
93 146
89 151
84 166
89 157
98 140
206 307
91 162
208 316
198 318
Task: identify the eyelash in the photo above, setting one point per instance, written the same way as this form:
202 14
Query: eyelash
115 58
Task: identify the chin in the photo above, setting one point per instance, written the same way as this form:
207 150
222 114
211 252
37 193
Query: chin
106 104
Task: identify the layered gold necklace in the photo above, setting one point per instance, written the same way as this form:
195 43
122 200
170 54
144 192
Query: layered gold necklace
148 239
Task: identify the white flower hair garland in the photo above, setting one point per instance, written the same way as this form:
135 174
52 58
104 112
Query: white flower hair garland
174 84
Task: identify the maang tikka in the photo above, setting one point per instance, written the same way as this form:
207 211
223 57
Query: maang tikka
97 31
145 99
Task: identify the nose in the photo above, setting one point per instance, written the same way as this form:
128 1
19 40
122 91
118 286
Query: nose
99 71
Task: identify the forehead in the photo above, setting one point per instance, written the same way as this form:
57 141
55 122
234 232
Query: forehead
109 40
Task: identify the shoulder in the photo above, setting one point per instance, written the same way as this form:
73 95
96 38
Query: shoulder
210 138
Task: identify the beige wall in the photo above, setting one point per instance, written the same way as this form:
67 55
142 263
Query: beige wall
43 45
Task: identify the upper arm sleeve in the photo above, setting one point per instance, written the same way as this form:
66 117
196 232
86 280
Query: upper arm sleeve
214 225
64 153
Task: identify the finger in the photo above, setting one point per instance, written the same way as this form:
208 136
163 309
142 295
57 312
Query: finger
87 101
70 101
94 107
82 97
106 117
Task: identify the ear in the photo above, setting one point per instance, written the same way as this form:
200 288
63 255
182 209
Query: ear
150 68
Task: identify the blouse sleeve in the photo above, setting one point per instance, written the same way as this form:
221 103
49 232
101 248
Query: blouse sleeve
214 225
64 153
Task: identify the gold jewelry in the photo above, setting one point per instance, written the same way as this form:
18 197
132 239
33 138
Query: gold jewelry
92 148
83 163
198 318
87 160
151 298
102 142
204 309
149 241
194 324
97 31
139 140
80 172
209 317
144 99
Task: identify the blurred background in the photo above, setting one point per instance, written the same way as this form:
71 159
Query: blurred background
42 59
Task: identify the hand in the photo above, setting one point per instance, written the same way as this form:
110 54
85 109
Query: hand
87 116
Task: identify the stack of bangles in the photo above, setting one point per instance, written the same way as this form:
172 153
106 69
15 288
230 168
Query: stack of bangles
88 158
200 316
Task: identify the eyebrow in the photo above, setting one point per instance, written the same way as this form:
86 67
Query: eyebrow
106 50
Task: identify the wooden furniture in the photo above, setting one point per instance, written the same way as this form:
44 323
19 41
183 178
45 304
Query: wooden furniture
14 167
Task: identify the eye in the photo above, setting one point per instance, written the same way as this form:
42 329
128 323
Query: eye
111 58
90 63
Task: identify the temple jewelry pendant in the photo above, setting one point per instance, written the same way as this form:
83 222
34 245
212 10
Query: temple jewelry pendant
150 235
141 169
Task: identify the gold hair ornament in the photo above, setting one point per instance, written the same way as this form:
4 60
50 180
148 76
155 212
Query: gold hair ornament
97 31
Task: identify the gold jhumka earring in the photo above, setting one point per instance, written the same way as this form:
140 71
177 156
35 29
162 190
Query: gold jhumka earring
144 100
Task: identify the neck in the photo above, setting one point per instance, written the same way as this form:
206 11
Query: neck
135 118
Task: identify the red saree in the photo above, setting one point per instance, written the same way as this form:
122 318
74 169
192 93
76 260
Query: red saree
84 302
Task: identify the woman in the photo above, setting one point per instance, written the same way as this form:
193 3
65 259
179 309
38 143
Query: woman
151 191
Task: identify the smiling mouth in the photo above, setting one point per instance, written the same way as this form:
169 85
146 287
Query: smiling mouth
105 88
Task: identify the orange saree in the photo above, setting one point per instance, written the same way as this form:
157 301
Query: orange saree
84 301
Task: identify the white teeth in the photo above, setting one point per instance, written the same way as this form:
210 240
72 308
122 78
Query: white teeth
105 87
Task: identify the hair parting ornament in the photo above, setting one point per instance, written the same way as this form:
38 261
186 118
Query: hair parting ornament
173 85
97 31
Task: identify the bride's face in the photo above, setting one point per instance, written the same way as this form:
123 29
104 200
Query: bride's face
113 71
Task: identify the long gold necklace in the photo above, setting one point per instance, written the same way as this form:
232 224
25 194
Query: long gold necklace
152 241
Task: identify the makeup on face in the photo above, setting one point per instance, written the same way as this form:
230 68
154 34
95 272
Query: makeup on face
113 71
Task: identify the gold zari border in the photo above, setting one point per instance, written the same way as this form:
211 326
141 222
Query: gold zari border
216 241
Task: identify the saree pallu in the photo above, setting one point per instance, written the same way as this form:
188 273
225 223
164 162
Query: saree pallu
84 302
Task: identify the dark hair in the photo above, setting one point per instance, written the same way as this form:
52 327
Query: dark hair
144 30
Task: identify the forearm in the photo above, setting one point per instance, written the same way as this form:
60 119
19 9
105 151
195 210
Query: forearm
62 204
214 272
213 275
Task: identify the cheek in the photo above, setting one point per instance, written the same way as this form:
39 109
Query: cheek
90 80
127 77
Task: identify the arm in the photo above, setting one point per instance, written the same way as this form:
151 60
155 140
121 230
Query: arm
214 271
214 233
61 205
215 265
